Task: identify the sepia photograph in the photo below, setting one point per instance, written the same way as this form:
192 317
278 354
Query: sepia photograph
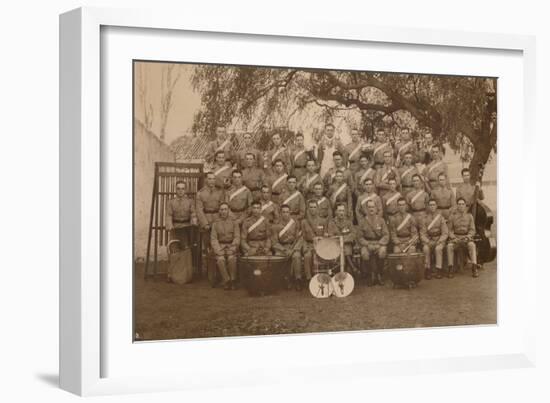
287 200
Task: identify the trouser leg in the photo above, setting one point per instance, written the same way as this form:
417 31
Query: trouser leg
308 264
296 265
232 267
427 256
472 252
450 253
439 256
222 268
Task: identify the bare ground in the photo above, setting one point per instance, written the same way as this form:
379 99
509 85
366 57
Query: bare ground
167 311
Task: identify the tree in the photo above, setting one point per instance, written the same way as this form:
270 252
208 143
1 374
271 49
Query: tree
451 107
169 79
146 106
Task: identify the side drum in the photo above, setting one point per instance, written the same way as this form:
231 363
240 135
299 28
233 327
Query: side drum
406 269
263 275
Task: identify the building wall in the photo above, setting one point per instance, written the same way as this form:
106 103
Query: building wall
148 149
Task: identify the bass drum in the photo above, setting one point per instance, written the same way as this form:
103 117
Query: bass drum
262 275
406 269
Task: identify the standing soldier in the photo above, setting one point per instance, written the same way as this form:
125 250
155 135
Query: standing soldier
403 229
365 171
222 171
390 200
224 239
277 151
238 197
406 173
324 207
256 233
418 199
385 173
276 180
248 147
369 194
444 197
208 203
466 190
309 180
286 240
461 235
353 151
294 199
313 227
434 234
340 193
373 236
403 146
253 177
435 168
380 147
268 209
298 157
222 143
345 228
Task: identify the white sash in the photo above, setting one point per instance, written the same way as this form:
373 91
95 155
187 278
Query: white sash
434 221
253 226
221 147
395 196
308 181
286 227
298 154
276 153
406 172
355 150
279 179
292 196
321 200
403 147
364 176
366 199
386 174
416 196
340 189
266 205
379 148
220 170
237 192
433 166
405 221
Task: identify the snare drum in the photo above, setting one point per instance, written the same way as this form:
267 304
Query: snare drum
263 274
405 269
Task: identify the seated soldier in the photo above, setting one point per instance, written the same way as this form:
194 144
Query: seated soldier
369 194
373 236
324 207
256 233
461 235
390 200
286 241
403 230
444 197
268 209
313 227
345 228
294 199
434 234
238 197
224 240
340 192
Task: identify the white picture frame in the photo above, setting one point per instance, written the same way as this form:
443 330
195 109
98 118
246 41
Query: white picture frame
84 190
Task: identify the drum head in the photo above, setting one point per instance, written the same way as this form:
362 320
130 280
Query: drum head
327 248
320 286
342 284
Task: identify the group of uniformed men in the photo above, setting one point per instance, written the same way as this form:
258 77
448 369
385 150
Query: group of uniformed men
374 195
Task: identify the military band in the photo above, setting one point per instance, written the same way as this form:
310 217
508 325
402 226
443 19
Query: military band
373 195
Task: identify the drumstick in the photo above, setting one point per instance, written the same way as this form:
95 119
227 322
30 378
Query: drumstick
410 243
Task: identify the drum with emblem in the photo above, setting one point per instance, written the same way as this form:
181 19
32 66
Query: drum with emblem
405 269
263 275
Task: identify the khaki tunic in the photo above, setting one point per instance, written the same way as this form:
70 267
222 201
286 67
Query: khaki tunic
432 171
298 160
405 176
223 176
258 157
239 200
307 183
445 200
343 197
461 225
353 153
407 232
379 149
259 237
437 233
297 204
389 200
361 207
382 177
270 210
179 212
466 191
213 147
281 153
346 229
360 176
373 229
401 149
225 236
253 179
328 180
208 204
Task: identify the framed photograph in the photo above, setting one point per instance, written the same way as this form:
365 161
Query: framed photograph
240 200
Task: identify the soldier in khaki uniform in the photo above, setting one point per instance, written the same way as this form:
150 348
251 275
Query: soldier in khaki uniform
286 240
222 143
365 171
466 190
256 233
309 180
353 151
313 227
461 235
222 171
248 148
390 200
277 152
238 197
324 206
298 157
269 209
369 194
373 236
207 206
418 199
224 240
435 168
444 197
406 173
385 173
339 165
434 234
380 147
403 229
403 146
340 192
345 228
276 180
253 177
294 199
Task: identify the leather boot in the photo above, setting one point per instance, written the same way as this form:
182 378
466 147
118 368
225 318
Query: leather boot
450 274
380 272
475 272
439 274
428 273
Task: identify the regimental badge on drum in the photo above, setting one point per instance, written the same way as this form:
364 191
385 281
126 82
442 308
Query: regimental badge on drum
320 286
